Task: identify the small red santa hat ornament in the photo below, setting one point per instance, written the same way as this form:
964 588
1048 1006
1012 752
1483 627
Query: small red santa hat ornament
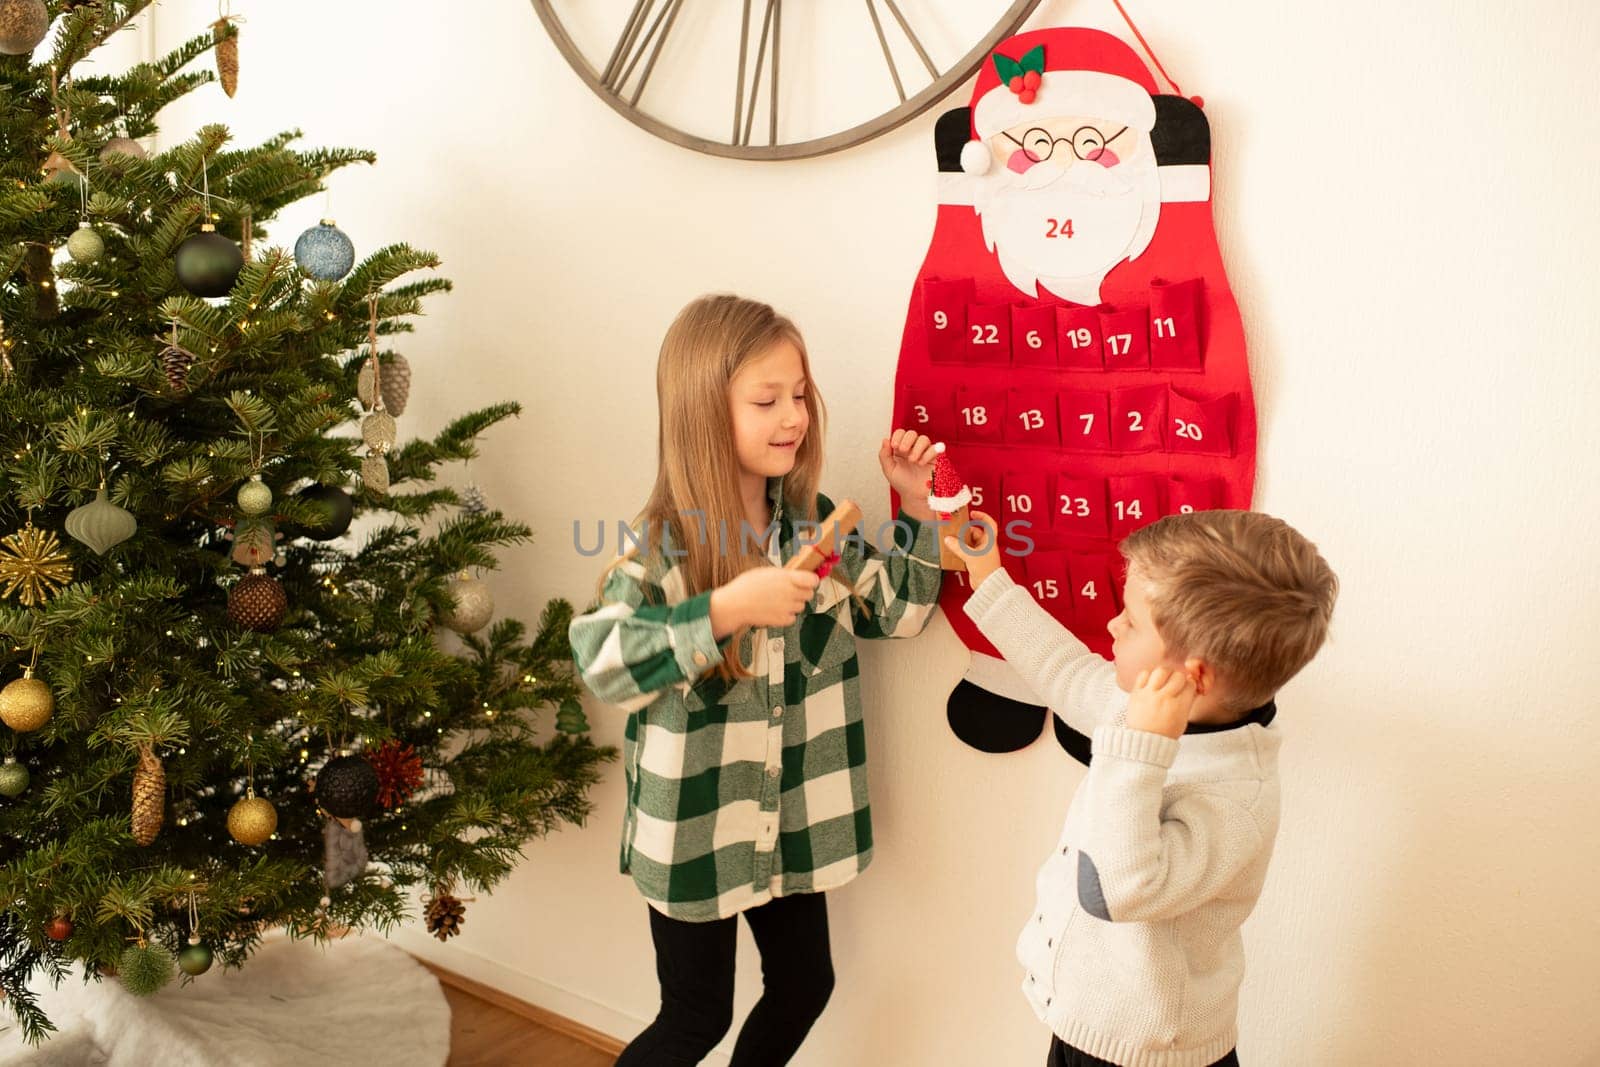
946 490
1091 74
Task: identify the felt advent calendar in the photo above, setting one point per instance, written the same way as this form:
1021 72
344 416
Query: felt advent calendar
1072 338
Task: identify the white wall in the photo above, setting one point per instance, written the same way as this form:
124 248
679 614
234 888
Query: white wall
1404 201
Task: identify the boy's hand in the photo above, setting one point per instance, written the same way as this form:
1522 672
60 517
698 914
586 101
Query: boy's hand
907 461
982 551
1161 700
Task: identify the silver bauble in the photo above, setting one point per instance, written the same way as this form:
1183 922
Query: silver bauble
255 496
473 604
122 146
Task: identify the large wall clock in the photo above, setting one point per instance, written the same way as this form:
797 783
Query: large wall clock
761 79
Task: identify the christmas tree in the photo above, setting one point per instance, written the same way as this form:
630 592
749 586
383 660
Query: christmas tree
222 717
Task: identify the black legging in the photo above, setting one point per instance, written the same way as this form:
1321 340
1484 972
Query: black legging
695 964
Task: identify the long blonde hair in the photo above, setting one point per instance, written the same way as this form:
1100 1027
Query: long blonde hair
697 467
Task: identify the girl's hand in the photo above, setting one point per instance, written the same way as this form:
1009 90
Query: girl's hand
981 550
907 461
1161 701
764 596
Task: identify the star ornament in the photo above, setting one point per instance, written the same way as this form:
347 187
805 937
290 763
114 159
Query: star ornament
32 565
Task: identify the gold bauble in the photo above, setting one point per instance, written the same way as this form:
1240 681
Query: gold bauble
26 704
252 820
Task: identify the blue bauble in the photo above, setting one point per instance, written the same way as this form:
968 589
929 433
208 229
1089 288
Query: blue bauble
324 252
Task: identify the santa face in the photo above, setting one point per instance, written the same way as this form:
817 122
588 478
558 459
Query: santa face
1067 200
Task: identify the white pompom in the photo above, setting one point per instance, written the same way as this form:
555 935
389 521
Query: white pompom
976 157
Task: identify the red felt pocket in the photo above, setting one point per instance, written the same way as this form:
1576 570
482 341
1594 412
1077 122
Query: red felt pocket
988 333
1125 333
1187 495
1202 426
985 485
1024 499
1078 506
1094 599
1048 580
1175 325
1085 423
944 316
1135 502
929 411
1033 336
1031 418
1137 418
1078 339
979 412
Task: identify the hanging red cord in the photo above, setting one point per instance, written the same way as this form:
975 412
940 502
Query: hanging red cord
1149 51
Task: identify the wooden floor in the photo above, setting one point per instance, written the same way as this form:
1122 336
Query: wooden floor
490 1029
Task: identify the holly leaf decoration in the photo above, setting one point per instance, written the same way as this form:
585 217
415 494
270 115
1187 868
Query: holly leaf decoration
1033 60
1009 68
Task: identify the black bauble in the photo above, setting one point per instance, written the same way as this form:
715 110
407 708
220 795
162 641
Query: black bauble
347 787
337 505
208 263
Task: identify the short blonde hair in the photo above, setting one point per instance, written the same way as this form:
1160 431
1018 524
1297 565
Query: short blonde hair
1244 591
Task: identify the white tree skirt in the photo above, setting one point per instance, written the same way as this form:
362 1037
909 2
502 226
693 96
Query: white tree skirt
356 1000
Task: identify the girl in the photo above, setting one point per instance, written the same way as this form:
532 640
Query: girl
744 749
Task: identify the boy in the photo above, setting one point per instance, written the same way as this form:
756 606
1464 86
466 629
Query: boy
1133 955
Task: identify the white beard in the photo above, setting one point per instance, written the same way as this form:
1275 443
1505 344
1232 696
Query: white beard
1113 211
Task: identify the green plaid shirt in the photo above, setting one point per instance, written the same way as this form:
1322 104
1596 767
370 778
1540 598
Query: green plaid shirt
742 791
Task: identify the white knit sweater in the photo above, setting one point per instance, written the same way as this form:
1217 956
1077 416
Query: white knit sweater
1133 952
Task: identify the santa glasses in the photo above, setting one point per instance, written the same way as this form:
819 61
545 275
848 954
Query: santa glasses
1088 144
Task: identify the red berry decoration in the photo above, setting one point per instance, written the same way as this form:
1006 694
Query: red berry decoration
399 772
1026 96
1015 84
59 928
1031 80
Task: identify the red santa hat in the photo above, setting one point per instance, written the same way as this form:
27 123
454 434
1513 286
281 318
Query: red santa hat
1053 73
946 491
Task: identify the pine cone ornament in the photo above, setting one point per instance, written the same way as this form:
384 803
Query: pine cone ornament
175 362
394 384
257 602
444 916
149 797
472 501
227 39
399 772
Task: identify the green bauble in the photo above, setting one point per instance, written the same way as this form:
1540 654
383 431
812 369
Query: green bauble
208 263
85 245
196 959
145 969
13 778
